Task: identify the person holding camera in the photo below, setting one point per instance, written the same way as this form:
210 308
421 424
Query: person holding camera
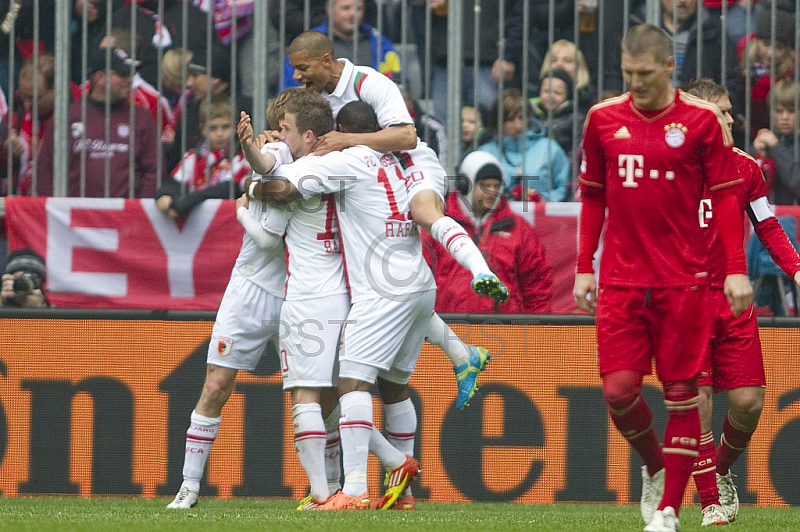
23 281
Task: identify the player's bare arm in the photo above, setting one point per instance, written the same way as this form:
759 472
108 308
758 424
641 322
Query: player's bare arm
797 278
739 292
261 163
393 138
279 191
585 292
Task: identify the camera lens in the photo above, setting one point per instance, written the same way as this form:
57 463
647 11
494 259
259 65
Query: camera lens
23 285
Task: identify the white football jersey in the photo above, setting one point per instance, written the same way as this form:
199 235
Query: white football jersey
383 95
314 256
266 269
369 85
381 244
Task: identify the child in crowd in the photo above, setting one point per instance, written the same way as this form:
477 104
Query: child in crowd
556 109
564 55
775 149
472 130
213 170
757 53
536 166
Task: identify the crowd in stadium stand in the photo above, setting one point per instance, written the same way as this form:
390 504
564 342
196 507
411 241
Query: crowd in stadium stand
181 80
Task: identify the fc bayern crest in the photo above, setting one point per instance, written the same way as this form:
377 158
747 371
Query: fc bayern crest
675 135
225 346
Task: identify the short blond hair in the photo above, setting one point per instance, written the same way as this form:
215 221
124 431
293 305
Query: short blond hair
785 92
277 107
647 39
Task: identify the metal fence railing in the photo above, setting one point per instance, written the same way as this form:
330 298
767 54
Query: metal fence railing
450 52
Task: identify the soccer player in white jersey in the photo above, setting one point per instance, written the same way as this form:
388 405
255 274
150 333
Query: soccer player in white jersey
392 290
316 305
340 82
247 319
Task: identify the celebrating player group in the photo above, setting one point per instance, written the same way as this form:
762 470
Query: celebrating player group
320 194
332 266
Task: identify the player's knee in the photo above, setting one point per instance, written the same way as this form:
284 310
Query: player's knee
215 393
426 208
392 392
681 398
305 395
621 388
676 391
746 403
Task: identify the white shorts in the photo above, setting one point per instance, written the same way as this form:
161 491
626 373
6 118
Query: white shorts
422 171
247 319
310 335
385 334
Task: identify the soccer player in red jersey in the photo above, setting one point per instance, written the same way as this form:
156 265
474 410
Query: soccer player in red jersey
735 364
647 156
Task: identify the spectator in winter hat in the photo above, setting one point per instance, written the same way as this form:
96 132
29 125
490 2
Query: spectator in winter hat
508 242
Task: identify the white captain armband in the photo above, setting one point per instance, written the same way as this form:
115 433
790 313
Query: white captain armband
761 209
252 189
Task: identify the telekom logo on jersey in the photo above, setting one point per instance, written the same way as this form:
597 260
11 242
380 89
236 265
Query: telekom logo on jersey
92 234
631 168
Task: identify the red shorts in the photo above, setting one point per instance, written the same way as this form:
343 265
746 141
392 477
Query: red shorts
734 359
637 325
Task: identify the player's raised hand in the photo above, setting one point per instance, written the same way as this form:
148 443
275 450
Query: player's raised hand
739 292
261 163
245 131
585 292
331 141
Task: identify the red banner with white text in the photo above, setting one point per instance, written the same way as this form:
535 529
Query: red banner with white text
120 253
117 253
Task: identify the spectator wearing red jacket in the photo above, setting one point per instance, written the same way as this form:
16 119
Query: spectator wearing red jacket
508 242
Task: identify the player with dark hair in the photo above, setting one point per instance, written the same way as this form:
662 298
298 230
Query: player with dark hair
736 365
647 156
340 82
390 310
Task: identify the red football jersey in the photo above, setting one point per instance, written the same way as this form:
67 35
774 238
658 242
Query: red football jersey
652 168
752 198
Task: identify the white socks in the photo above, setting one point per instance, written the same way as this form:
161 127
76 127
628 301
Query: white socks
355 429
401 428
199 440
309 442
442 336
401 425
459 244
333 453
389 456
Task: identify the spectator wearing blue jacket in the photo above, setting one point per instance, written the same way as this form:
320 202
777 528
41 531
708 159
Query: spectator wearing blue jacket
373 49
536 165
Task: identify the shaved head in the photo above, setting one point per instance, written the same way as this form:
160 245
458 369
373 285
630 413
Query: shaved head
315 43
